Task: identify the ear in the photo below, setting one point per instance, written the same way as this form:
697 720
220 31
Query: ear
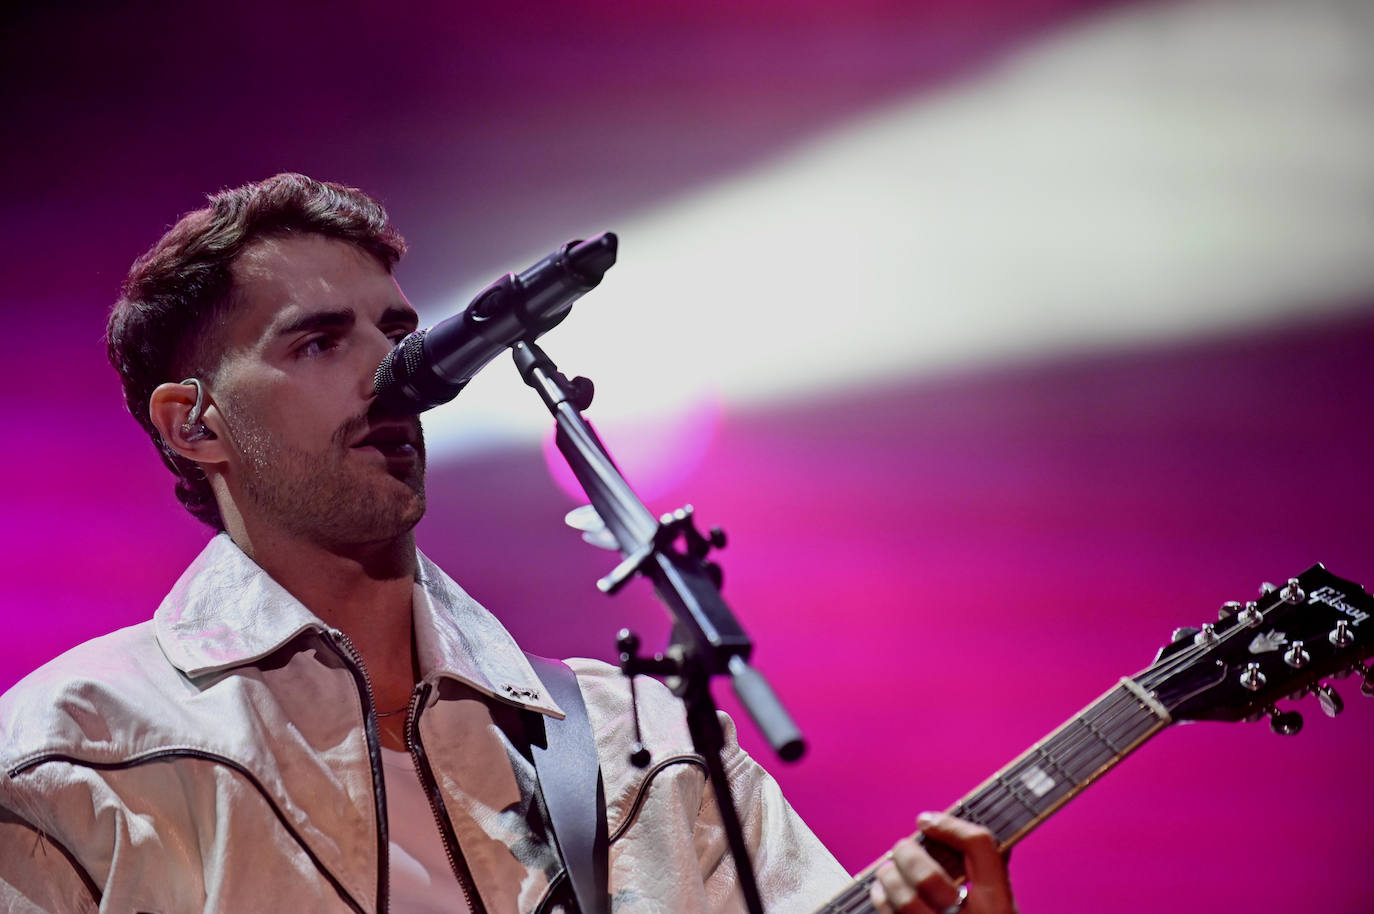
172 407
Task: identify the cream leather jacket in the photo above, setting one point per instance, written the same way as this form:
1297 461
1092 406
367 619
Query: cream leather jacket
219 758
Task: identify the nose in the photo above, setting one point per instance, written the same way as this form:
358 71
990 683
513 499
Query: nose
378 347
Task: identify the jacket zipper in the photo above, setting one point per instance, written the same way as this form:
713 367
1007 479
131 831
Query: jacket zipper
456 861
354 661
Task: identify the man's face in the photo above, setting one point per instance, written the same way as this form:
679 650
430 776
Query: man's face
311 319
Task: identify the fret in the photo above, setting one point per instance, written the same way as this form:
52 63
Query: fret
1036 783
1010 816
1080 750
1010 787
1050 760
1059 766
1102 737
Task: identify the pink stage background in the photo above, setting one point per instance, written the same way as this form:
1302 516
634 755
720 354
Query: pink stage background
937 570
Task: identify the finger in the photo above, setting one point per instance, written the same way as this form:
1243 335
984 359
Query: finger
878 898
918 868
895 892
982 857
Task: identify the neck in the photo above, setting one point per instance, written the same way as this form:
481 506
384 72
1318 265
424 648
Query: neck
364 591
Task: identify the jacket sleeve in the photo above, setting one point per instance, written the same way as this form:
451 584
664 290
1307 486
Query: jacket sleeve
37 874
795 872
668 850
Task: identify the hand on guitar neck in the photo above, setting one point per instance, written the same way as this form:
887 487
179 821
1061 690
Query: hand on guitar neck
1280 646
910 880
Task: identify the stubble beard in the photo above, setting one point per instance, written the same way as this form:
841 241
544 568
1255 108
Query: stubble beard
329 498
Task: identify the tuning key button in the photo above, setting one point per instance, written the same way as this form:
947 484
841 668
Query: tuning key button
1181 633
1266 589
1340 635
1228 609
1252 678
1295 656
1367 687
1330 700
1250 615
1206 635
1284 723
1293 592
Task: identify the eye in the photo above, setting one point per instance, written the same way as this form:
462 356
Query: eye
316 346
396 334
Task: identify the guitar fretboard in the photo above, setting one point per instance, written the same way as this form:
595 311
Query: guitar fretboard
1024 793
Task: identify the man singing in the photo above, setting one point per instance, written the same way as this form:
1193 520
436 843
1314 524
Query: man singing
317 718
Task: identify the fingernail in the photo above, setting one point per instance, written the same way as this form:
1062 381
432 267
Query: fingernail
925 818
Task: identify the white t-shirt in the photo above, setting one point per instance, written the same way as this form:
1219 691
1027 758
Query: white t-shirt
422 882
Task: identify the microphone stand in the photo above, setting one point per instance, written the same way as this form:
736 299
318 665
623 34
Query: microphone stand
707 640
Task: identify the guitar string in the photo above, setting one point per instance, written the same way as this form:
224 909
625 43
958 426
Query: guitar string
1073 750
854 899
1088 740
1004 809
1120 700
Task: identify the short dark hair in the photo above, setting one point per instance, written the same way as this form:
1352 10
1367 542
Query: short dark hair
159 328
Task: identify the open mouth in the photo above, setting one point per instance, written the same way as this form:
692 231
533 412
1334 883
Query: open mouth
390 440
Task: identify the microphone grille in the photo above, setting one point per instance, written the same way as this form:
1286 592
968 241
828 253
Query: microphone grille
409 354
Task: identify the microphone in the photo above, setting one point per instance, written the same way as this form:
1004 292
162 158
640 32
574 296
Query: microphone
430 367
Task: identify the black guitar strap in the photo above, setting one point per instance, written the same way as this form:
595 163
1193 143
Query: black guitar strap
569 775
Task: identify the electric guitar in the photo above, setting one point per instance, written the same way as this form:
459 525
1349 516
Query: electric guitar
1281 645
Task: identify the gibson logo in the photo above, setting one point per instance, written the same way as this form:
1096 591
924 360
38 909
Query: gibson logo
1271 640
1336 600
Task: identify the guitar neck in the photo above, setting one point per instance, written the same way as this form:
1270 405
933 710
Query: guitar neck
1024 793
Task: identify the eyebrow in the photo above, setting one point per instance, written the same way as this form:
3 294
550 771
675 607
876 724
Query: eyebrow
344 318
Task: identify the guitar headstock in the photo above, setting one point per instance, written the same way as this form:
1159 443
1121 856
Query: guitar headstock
1279 646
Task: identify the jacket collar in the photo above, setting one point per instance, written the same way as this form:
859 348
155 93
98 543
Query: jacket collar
225 611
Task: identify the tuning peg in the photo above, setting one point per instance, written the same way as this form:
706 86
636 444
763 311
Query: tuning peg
1295 656
1340 635
1366 687
1284 723
1293 592
1250 615
1252 678
1207 635
1330 700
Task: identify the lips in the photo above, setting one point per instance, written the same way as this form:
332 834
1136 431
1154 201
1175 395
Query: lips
391 439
